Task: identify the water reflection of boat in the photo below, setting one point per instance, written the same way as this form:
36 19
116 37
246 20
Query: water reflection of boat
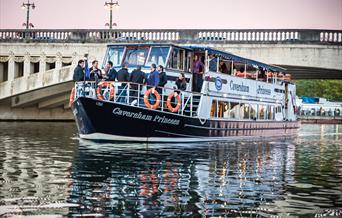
221 104
176 181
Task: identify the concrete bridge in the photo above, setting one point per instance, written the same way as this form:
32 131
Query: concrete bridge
36 66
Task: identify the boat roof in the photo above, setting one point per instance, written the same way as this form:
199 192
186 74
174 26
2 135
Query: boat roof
211 51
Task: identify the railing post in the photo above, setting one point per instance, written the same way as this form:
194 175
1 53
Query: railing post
138 95
162 99
191 104
128 90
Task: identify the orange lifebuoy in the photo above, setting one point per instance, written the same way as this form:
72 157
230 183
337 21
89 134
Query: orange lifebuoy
72 97
168 103
146 101
107 85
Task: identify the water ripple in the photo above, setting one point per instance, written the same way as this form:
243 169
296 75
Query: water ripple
47 171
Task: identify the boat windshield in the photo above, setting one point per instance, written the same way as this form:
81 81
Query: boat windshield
136 56
158 56
115 55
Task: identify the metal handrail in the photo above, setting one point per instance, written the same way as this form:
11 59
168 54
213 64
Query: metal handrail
129 95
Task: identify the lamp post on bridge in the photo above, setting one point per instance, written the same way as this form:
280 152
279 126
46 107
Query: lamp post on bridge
28 5
109 6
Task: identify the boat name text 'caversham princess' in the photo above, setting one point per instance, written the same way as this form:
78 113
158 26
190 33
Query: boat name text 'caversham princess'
238 87
263 91
141 116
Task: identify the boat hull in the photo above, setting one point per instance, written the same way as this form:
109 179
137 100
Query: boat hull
103 120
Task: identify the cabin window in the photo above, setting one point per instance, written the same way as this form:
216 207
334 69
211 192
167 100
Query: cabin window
244 111
188 62
115 55
261 112
253 111
136 56
225 66
213 111
223 107
177 59
267 112
158 56
219 109
234 110
278 109
213 62
270 112
182 60
226 106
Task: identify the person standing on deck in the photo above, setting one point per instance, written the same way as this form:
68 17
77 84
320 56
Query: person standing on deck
78 72
153 80
198 73
95 72
153 77
136 77
223 67
181 82
162 79
123 76
110 71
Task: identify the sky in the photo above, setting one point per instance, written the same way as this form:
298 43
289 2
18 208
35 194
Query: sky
176 14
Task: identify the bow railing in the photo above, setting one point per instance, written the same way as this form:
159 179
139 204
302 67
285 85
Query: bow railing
140 95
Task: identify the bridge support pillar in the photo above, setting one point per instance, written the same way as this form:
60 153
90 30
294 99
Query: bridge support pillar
11 69
27 66
42 64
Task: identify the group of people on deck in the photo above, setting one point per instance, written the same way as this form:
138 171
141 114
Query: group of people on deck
156 79
242 70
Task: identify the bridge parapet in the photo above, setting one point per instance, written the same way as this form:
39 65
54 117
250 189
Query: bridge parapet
271 36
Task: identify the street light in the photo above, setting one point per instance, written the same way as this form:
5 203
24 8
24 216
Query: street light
109 6
28 5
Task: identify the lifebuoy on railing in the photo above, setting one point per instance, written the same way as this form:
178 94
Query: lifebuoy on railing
146 100
72 97
168 102
107 85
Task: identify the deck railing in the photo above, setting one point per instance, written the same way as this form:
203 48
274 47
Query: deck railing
173 35
133 94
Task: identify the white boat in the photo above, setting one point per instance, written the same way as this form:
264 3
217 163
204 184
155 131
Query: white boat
258 102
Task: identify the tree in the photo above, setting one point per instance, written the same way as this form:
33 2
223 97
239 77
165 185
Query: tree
329 89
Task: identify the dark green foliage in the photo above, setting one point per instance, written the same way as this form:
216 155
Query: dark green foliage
329 89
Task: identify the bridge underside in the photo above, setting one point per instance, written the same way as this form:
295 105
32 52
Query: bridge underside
300 72
48 103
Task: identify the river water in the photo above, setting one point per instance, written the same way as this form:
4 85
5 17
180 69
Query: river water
47 171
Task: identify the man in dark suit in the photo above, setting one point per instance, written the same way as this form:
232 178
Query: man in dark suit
123 76
95 72
111 73
138 77
78 72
